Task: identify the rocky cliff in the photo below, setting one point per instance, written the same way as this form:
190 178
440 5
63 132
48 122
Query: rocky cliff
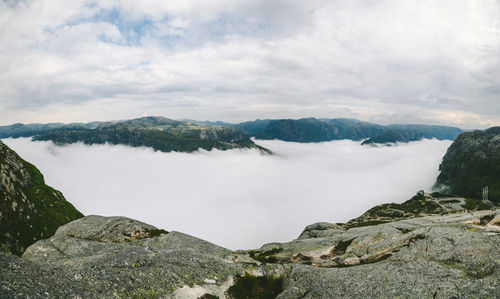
440 252
471 163
29 209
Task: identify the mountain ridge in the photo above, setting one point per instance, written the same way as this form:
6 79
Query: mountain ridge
294 130
159 133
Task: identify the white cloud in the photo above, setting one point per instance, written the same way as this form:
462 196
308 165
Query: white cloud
237 199
405 60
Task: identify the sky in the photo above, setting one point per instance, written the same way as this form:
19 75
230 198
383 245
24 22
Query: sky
239 199
435 62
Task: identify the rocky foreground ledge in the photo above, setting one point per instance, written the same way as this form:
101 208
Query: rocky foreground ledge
442 255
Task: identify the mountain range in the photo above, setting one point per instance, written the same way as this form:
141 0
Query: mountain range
159 133
164 134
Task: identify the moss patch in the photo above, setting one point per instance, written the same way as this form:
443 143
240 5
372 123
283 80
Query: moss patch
475 204
268 256
255 287
208 296
156 232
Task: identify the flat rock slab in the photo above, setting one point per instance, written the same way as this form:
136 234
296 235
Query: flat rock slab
440 256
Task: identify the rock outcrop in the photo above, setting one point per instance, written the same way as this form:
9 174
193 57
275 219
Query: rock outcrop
471 163
442 255
113 257
29 209
456 255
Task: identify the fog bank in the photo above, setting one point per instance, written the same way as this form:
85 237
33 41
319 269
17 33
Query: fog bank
238 199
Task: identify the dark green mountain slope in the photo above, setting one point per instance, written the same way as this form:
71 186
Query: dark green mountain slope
159 133
301 130
471 163
406 133
354 129
171 135
251 128
28 130
29 209
22 130
311 129
316 130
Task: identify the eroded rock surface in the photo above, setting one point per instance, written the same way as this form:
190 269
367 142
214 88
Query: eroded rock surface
441 256
455 255
117 256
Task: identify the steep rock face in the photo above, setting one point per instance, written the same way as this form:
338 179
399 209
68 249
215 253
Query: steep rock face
471 163
29 209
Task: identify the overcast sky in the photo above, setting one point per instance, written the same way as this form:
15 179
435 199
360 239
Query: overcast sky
383 61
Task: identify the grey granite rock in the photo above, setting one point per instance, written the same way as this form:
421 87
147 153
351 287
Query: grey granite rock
441 256
100 253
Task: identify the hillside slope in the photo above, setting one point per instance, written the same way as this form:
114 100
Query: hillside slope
29 209
317 130
159 133
407 133
188 135
471 163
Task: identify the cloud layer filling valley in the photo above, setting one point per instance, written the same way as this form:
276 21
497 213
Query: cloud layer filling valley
238 199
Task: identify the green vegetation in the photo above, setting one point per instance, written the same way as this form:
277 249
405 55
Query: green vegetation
341 247
159 133
317 130
29 209
268 256
475 204
471 163
297 130
441 195
156 232
255 287
21 130
449 201
418 205
406 133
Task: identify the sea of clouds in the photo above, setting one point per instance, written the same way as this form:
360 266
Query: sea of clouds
239 199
